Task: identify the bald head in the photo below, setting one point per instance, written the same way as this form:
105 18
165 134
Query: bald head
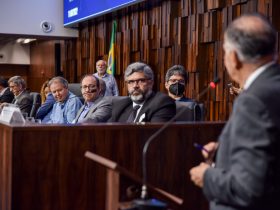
252 36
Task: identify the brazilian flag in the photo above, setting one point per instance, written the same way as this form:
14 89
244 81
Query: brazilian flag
111 69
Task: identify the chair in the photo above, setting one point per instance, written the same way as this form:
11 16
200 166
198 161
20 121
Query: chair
36 103
192 111
75 88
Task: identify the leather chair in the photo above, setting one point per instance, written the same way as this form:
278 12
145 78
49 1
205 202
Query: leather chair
36 103
192 111
75 88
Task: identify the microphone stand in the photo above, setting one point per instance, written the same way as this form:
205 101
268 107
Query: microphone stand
149 204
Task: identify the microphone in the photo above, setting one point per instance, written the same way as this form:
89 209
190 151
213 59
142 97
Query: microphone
144 193
211 85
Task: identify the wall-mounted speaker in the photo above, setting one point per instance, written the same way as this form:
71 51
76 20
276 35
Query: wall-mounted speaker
46 27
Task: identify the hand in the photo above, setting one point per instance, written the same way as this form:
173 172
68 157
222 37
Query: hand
235 91
3 104
197 174
211 147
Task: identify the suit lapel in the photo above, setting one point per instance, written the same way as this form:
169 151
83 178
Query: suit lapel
125 107
94 106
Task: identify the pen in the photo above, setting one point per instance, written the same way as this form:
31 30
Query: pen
200 147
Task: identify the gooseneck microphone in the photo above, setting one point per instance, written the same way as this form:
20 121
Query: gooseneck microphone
211 85
144 193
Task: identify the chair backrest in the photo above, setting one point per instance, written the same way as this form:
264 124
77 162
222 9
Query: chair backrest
36 103
75 88
192 111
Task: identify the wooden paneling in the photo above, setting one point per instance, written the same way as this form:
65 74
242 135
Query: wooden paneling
42 64
9 70
43 167
168 32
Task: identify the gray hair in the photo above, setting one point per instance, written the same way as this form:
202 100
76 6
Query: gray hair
139 67
59 79
18 80
251 43
176 70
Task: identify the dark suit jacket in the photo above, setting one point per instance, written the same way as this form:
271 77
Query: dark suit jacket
24 102
157 108
247 173
7 96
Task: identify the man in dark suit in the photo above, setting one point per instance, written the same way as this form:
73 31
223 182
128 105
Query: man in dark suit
142 104
5 94
96 108
247 166
21 97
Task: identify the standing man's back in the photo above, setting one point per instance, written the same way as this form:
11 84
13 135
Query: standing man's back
247 167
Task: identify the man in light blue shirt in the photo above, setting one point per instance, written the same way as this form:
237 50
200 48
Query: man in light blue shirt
111 84
67 104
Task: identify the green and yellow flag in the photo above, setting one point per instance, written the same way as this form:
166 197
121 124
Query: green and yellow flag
111 69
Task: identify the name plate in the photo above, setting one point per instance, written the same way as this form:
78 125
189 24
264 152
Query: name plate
11 114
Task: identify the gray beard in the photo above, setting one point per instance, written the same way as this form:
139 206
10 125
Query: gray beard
141 97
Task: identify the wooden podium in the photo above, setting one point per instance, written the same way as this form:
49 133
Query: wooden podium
112 187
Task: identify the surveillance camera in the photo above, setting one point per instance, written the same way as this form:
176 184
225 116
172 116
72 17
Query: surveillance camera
46 26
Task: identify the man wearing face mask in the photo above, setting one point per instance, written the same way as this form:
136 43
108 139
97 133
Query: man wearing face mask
175 81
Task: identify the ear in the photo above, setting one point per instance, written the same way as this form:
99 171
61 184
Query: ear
151 83
166 85
236 60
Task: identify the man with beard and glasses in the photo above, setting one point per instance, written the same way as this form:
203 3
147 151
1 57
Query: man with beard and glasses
142 104
96 108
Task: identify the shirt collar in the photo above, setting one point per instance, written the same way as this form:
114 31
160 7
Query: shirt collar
88 104
256 73
135 104
16 97
105 75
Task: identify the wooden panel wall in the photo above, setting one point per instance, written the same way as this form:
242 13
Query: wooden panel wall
9 70
164 33
42 62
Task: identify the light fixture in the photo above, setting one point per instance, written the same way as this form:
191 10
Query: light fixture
25 40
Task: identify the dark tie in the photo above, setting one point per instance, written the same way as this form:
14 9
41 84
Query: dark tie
133 113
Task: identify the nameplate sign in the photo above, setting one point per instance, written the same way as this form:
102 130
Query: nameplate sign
11 114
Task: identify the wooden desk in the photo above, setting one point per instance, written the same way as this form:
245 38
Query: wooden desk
42 167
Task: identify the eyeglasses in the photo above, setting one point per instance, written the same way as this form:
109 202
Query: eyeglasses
13 86
91 88
137 81
173 81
